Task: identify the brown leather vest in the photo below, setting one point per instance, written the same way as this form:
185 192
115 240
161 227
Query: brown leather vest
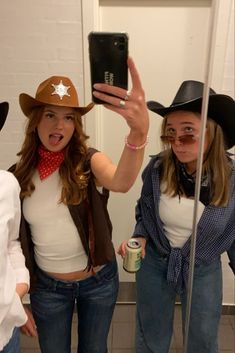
93 224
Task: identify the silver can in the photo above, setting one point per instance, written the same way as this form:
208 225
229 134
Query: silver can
132 258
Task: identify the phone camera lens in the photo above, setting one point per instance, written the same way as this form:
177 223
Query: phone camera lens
121 46
121 39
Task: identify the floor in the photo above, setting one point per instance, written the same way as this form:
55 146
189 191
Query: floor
121 335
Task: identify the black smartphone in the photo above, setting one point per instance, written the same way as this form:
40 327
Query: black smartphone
108 53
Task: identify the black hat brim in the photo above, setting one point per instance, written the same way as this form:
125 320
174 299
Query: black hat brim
4 107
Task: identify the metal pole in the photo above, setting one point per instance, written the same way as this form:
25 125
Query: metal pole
208 71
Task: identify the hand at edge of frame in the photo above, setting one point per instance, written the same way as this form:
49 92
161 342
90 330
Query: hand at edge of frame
29 328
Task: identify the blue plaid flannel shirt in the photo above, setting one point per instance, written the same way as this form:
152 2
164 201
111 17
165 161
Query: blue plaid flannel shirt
215 229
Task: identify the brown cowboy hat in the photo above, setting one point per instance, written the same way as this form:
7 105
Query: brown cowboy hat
4 107
221 108
56 90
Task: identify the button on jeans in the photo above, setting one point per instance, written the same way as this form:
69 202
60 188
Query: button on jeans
156 304
13 345
53 306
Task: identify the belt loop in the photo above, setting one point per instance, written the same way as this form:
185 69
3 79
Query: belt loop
97 276
54 282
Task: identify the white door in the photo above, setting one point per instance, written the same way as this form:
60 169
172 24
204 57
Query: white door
168 41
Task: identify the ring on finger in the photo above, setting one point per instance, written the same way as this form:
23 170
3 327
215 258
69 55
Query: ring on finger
122 103
128 93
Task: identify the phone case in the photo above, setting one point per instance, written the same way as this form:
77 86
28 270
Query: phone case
108 53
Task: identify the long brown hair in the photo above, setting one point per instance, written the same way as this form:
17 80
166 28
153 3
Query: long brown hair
73 173
216 165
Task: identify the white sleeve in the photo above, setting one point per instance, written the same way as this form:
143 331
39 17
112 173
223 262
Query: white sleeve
12 262
4 237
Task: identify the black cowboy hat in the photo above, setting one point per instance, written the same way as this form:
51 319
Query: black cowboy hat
4 107
221 108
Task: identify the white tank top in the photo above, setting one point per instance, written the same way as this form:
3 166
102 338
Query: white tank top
177 217
58 247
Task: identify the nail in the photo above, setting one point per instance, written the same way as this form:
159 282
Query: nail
96 94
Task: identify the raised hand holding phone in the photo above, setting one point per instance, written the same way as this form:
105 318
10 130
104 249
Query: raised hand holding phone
128 103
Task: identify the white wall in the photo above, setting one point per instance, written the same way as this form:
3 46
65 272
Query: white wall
228 84
38 39
42 38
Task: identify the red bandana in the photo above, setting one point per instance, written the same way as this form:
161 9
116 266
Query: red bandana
48 161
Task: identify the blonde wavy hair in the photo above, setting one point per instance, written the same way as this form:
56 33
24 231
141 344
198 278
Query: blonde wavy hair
216 165
72 171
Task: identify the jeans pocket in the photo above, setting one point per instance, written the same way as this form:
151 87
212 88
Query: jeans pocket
109 272
203 270
44 282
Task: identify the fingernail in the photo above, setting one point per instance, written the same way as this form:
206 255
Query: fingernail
96 85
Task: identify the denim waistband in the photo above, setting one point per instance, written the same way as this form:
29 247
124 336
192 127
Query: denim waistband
98 276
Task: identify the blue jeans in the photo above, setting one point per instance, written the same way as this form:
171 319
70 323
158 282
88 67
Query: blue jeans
53 307
13 346
156 303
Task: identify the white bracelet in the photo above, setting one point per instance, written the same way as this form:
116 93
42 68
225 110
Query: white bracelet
134 147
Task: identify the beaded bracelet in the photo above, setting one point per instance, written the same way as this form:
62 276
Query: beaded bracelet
134 147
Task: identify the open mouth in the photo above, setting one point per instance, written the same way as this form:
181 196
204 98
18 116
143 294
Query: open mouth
55 139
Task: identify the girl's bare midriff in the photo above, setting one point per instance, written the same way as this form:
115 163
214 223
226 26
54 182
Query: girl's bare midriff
74 276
